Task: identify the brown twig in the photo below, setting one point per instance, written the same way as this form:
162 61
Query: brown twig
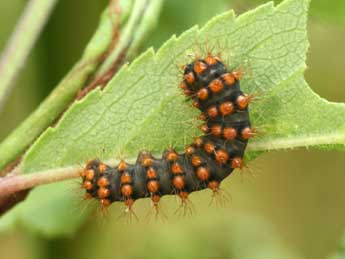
16 182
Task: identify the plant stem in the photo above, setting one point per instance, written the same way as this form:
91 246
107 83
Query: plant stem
28 28
126 37
17 182
63 94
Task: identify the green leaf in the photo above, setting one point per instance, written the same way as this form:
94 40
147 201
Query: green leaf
142 107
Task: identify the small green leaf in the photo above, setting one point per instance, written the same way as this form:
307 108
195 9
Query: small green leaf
142 107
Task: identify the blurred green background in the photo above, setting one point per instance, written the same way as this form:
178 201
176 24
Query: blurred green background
293 207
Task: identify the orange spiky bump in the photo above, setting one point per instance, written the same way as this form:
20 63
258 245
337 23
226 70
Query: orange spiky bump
87 185
103 182
151 173
213 185
189 150
152 186
229 79
189 78
172 156
198 142
226 108
229 133
127 190
237 162
209 147
199 67
90 174
147 161
202 94
221 156
242 101
178 182
216 130
204 128
210 60
102 167
237 75
248 133
216 86
196 160
103 193
176 168
202 173
126 178
212 112
105 202
122 166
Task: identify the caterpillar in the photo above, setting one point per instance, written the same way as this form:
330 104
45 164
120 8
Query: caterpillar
216 92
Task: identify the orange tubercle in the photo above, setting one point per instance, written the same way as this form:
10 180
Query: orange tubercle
221 156
212 112
103 193
202 173
152 186
196 160
248 133
226 108
229 133
199 67
151 173
178 182
237 162
189 78
127 190
216 86
126 178
216 130
202 94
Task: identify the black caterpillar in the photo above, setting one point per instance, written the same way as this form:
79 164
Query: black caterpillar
204 164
